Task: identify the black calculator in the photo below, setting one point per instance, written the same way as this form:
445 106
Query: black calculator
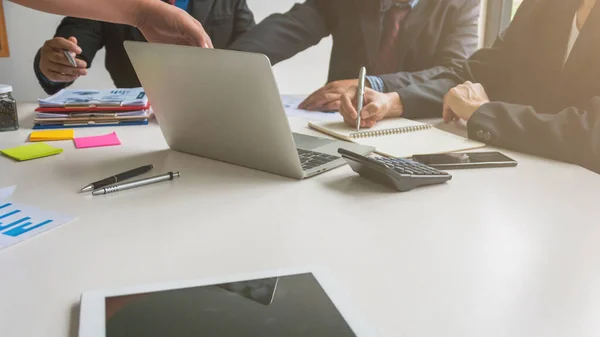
398 173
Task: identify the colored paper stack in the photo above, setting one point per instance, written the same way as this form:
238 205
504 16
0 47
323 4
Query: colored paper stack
71 108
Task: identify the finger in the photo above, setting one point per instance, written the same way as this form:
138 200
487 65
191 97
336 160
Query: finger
57 77
447 114
311 98
370 110
332 106
206 40
351 93
60 58
369 123
67 70
208 44
324 100
337 87
347 108
315 100
74 40
81 63
349 121
450 116
445 110
191 31
64 44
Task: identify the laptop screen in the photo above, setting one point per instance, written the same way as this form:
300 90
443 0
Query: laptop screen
287 306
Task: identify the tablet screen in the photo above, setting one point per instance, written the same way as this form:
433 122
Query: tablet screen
287 306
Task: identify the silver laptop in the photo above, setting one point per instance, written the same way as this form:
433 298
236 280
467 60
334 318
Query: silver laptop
225 105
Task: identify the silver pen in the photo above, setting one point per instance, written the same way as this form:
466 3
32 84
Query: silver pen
360 93
70 58
137 183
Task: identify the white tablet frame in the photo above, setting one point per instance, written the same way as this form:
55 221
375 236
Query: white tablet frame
92 322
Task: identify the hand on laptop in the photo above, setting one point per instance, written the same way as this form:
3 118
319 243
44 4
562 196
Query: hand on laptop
377 106
164 23
54 64
327 98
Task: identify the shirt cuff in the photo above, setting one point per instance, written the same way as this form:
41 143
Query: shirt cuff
376 83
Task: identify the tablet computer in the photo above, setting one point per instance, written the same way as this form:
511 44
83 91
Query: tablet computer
303 302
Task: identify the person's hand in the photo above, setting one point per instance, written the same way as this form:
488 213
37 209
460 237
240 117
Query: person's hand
54 64
164 23
376 106
462 101
327 98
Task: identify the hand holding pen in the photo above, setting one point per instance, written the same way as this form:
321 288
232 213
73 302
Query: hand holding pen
376 106
360 94
57 60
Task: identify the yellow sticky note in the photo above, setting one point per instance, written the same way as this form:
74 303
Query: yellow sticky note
49 135
31 151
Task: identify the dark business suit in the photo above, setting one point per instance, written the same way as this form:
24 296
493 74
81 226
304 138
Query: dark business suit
223 20
537 106
436 35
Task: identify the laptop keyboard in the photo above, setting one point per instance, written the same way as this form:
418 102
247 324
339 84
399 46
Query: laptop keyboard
311 159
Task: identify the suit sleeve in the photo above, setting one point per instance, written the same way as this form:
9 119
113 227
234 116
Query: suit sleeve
244 19
89 38
454 47
486 66
571 135
281 36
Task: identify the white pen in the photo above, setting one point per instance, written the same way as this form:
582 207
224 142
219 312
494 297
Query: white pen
360 92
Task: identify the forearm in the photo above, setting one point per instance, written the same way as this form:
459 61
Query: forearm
116 11
396 81
281 36
425 100
569 135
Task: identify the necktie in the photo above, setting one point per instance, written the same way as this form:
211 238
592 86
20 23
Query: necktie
387 56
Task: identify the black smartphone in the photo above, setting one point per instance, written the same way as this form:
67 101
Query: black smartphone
448 161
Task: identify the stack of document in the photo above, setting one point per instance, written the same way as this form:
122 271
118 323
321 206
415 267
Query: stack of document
85 108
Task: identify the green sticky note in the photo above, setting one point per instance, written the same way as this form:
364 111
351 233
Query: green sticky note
31 151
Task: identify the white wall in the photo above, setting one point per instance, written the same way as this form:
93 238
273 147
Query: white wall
28 29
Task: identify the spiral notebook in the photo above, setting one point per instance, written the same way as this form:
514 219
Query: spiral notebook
399 137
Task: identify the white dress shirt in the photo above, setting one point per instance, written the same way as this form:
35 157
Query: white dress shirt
572 38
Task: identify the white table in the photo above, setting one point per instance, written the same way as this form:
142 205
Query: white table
495 252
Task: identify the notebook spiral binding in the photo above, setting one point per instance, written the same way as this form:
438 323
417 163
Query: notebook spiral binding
389 132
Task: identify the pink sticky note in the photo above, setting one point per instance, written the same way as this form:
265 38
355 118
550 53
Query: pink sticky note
97 141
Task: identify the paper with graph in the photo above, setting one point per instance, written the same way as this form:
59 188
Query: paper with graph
19 222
